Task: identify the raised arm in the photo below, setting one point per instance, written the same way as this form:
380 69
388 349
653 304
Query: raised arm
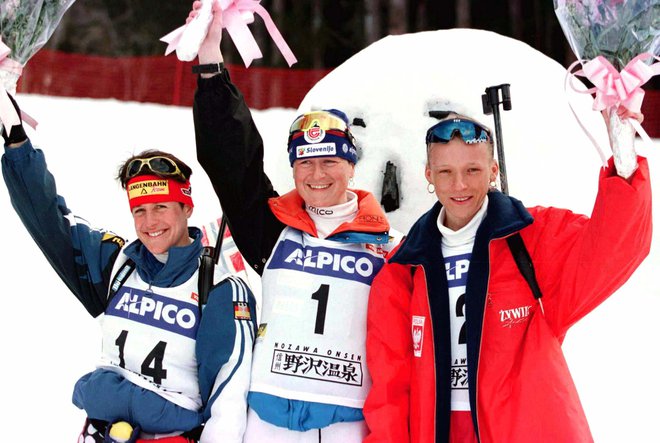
81 256
230 150
583 260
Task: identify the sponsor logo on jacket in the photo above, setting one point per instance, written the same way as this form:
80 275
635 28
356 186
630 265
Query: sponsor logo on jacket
339 263
155 310
319 211
510 317
113 238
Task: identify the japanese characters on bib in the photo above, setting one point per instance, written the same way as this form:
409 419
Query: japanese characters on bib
149 338
311 340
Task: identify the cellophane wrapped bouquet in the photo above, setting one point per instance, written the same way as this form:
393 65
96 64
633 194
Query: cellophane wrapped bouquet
25 26
625 33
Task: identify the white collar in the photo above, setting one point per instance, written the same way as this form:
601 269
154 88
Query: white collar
328 219
467 233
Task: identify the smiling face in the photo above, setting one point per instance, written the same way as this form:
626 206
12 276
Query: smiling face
322 181
461 174
159 226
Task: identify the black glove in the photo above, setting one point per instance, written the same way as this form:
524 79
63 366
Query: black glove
18 134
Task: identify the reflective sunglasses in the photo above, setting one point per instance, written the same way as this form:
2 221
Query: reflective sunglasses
470 131
158 165
322 120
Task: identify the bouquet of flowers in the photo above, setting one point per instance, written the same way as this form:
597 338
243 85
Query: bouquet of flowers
25 26
616 41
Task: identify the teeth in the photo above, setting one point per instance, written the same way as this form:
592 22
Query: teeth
319 186
461 199
154 234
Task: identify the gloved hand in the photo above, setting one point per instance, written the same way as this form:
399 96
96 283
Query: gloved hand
17 133
121 432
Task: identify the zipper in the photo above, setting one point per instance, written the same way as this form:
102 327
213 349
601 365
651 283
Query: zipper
481 338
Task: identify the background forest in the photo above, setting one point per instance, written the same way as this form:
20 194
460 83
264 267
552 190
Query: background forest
322 33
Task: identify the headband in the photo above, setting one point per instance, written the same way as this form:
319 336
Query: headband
153 189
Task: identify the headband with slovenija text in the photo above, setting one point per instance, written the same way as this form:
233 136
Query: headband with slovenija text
153 189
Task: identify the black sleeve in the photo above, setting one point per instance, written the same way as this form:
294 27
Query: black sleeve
230 150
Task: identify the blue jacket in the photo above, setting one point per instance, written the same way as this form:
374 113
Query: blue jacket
84 257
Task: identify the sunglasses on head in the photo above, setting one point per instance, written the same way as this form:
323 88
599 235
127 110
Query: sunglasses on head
321 120
470 131
162 166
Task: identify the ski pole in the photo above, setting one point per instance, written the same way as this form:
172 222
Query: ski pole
209 258
491 104
220 239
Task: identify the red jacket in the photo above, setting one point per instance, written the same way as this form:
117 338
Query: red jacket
519 383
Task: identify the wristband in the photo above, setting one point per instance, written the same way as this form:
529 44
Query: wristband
18 135
210 68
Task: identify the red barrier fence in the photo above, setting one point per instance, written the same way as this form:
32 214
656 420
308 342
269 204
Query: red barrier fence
157 79
167 80
651 110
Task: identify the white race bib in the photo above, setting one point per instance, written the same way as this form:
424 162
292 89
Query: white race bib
311 341
149 338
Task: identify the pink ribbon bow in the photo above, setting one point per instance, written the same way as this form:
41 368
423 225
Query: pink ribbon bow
237 14
8 114
613 88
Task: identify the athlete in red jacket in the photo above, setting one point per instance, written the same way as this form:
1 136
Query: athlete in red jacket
458 347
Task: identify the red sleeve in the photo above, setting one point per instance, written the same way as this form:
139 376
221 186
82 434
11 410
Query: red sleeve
389 354
580 261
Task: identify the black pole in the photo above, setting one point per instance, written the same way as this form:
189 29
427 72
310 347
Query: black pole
491 103
220 239
493 97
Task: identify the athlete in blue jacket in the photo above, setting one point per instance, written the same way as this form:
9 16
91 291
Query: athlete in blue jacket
174 374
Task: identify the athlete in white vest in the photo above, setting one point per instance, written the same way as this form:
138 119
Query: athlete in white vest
317 249
171 369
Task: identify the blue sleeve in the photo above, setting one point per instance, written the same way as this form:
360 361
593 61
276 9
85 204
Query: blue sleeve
224 356
81 256
107 395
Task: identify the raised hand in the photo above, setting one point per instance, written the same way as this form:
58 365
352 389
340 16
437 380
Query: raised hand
209 50
16 135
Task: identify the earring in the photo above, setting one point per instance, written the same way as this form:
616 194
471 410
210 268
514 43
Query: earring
351 182
493 183
430 188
